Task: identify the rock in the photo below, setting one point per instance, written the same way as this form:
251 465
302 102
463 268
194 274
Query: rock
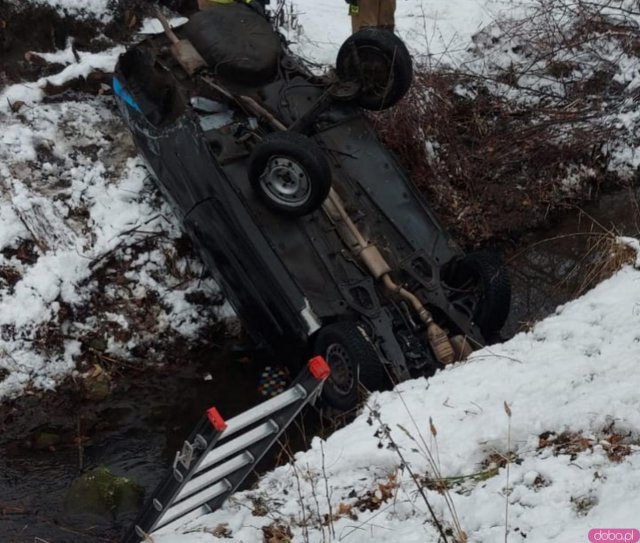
102 493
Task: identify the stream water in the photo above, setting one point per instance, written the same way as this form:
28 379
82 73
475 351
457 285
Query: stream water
148 415
548 268
135 434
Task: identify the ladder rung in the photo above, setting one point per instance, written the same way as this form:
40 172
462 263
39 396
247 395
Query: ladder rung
195 501
202 480
238 444
181 521
259 412
201 483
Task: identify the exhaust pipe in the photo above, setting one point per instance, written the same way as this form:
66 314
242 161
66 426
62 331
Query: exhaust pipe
379 268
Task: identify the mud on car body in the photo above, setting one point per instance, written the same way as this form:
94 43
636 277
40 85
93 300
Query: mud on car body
282 184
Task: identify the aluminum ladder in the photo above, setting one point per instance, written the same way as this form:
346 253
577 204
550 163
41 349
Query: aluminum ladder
218 456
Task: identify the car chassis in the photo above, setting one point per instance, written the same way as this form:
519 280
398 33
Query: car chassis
346 272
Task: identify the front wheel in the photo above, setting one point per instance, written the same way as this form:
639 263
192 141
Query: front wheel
352 359
290 173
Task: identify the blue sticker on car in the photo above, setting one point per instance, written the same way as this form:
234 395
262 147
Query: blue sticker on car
120 92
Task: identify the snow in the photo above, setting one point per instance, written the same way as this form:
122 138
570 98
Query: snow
32 93
576 371
97 9
81 198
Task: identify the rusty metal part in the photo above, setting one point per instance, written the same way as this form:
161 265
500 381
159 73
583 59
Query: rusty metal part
182 50
461 347
380 269
373 259
436 336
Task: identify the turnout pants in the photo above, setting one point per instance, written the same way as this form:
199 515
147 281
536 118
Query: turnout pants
379 13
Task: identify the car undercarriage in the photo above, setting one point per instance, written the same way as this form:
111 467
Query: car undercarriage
311 226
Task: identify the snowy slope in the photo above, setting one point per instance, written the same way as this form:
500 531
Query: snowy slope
96 9
85 239
571 384
89 265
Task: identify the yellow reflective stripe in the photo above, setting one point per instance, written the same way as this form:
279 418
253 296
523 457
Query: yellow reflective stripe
222 1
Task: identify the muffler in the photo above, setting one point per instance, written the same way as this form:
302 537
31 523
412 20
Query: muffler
379 268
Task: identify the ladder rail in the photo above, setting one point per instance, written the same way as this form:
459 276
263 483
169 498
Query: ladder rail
202 477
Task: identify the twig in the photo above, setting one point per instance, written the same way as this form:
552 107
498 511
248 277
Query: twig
332 531
387 433
507 410
79 443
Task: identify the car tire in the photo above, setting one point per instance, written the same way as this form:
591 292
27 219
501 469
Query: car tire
379 62
352 359
493 289
290 173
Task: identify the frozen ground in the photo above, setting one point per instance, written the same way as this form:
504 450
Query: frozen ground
88 250
92 265
80 224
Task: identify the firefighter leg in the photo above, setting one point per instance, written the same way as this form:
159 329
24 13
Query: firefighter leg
366 14
386 14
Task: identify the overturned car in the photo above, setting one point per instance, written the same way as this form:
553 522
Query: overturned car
312 228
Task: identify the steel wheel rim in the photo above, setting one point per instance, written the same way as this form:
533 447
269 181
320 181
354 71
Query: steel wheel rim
342 375
285 182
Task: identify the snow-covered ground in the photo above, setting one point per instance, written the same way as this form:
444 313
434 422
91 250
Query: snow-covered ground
572 443
538 437
88 253
437 29
82 230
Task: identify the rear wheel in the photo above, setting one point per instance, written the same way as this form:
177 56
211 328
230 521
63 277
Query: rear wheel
352 359
290 173
480 287
378 61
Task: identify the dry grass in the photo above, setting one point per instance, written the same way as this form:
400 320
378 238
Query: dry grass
502 148
617 445
488 167
277 533
605 256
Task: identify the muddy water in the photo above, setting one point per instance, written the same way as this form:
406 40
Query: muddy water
137 432
551 267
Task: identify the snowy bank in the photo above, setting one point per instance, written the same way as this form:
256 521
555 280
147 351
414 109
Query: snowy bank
571 447
90 258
